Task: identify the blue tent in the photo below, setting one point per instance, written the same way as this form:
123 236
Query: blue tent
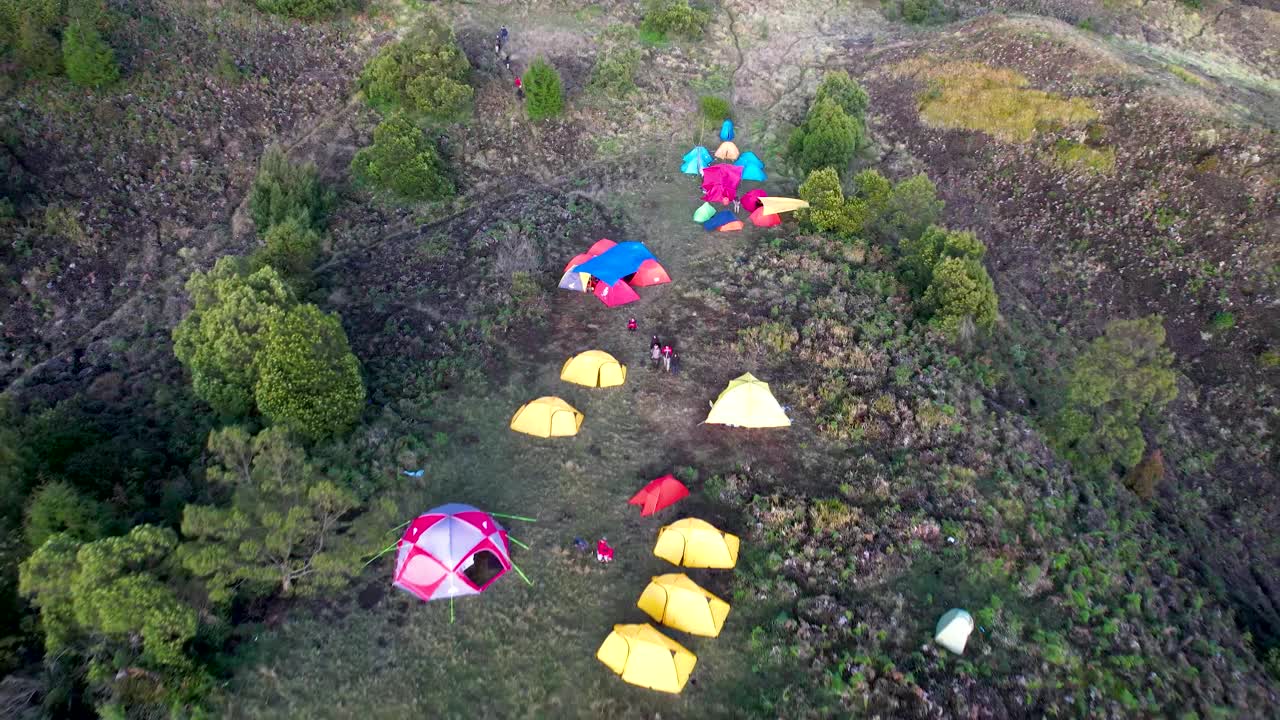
748 159
726 131
724 217
617 262
695 160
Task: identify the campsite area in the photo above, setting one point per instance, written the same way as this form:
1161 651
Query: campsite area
339 289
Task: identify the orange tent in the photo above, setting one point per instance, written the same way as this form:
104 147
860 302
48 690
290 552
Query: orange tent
658 494
730 227
650 273
760 219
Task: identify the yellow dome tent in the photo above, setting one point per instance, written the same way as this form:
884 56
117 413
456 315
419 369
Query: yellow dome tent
547 417
678 602
747 402
645 657
697 544
727 151
775 205
594 368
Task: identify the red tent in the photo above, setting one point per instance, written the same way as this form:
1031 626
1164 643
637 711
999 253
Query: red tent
600 246
759 218
619 293
660 493
650 273
720 183
751 200
577 260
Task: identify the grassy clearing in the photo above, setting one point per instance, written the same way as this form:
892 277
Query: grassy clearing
996 101
529 651
1072 155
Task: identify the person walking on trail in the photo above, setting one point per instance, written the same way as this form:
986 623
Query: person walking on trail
631 324
519 88
502 35
675 362
506 61
666 358
655 351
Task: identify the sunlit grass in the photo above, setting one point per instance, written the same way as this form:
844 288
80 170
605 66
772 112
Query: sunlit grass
996 101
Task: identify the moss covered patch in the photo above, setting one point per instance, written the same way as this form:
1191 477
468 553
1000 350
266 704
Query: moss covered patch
1078 156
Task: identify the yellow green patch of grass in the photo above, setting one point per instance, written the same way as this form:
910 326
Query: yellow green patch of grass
1185 75
997 101
1078 156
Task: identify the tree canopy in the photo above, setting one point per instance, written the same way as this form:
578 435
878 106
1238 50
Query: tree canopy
283 189
308 379
402 160
219 340
425 73
1121 379
544 95
827 138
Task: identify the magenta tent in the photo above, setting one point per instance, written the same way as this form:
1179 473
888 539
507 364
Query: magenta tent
451 551
720 183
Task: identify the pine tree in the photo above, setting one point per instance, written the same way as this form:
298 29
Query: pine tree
308 379
88 58
545 96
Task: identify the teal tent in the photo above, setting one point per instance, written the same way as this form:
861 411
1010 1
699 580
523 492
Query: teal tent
726 131
695 160
752 167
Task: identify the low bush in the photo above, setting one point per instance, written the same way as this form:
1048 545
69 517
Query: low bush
829 210
543 91
403 161
959 293
666 18
714 108
291 248
909 208
614 74
425 73
304 9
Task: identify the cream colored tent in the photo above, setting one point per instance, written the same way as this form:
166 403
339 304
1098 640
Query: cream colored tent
953 630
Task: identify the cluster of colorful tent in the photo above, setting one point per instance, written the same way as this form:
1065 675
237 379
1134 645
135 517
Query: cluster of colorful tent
611 270
720 184
639 653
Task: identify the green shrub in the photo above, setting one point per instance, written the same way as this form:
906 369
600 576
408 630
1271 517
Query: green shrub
1223 321
912 206
88 58
37 49
219 340
304 9
57 507
308 380
920 255
1144 477
614 73
543 92
665 18
845 92
1121 379
403 161
424 73
284 189
829 210
29 28
291 248
917 12
827 138
714 109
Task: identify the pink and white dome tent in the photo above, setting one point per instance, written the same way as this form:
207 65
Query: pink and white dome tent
451 551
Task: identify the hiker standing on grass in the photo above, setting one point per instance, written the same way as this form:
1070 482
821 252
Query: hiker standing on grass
675 362
631 324
655 351
506 60
666 358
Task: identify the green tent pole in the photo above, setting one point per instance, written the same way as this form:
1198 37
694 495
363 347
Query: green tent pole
514 517
381 552
517 567
526 547
450 611
406 522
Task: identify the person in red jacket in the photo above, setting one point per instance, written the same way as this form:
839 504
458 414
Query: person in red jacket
666 358
604 553
519 88
631 324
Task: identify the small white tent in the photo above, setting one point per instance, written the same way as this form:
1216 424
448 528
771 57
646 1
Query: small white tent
953 630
